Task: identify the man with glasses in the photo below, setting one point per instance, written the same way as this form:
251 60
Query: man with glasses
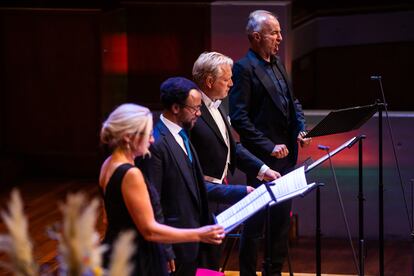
174 170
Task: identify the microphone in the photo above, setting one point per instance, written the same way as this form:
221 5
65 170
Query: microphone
322 147
375 77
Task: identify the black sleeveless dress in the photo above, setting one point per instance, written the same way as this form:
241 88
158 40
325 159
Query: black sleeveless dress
149 258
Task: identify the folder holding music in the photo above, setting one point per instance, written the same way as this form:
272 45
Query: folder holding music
289 186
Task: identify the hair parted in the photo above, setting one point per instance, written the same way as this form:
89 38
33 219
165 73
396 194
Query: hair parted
256 19
126 120
209 63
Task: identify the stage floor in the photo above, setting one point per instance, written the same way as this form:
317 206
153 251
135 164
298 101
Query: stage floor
41 198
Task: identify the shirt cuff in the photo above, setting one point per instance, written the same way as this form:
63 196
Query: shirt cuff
274 149
262 171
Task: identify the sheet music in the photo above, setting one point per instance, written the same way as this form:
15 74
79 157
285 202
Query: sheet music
244 208
286 187
300 192
289 183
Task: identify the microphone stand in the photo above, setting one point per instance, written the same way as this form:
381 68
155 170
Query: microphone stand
318 231
342 206
361 200
380 192
382 106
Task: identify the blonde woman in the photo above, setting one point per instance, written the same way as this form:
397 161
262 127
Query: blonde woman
131 202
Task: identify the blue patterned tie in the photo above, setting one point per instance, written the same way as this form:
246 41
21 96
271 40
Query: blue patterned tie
183 135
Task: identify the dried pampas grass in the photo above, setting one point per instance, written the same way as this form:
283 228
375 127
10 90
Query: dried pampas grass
80 252
121 255
17 244
79 247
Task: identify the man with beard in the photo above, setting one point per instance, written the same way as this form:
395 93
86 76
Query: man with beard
174 170
271 123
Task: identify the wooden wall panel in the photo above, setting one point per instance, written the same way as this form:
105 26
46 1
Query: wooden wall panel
163 41
50 94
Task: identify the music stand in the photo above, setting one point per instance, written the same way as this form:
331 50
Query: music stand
339 121
343 120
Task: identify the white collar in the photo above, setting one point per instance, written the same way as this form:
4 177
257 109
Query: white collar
173 127
209 103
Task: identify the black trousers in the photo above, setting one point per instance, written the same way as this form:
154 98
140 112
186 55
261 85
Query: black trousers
253 231
253 234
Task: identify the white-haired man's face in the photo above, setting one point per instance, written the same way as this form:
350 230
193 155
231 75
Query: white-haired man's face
221 84
269 38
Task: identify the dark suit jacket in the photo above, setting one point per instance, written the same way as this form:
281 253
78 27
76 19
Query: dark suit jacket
257 113
183 193
212 149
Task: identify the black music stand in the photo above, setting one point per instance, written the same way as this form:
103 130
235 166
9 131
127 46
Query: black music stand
343 120
340 121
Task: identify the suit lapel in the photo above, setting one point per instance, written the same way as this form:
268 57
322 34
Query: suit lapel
267 82
206 116
231 139
180 159
226 122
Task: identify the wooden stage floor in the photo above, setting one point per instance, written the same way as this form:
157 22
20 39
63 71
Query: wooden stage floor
41 198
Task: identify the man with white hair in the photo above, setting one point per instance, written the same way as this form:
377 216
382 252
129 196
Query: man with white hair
218 152
271 123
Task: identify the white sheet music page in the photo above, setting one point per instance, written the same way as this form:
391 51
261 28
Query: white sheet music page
242 210
300 192
291 184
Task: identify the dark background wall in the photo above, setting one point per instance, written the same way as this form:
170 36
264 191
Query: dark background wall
64 66
50 91
163 40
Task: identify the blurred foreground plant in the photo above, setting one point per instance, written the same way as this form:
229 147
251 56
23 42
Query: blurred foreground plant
17 244
80 252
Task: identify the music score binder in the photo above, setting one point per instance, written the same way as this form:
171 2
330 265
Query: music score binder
289 186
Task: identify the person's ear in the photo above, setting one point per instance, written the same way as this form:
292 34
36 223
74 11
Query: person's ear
175 108
256 36
209 81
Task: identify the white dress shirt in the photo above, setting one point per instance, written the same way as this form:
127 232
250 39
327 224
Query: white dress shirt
174 129
212 107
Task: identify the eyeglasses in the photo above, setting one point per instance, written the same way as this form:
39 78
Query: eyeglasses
195 109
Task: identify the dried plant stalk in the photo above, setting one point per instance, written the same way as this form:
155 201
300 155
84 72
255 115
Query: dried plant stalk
79 246
120 263
17 244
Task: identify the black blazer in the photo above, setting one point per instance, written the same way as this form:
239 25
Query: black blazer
212 149
257 113
183 193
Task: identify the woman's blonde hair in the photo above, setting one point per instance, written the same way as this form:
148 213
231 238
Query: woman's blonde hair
127 120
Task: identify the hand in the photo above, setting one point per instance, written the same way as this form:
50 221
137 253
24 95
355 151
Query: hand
280 151
171 266
249 189
270 175
304 142
213 234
